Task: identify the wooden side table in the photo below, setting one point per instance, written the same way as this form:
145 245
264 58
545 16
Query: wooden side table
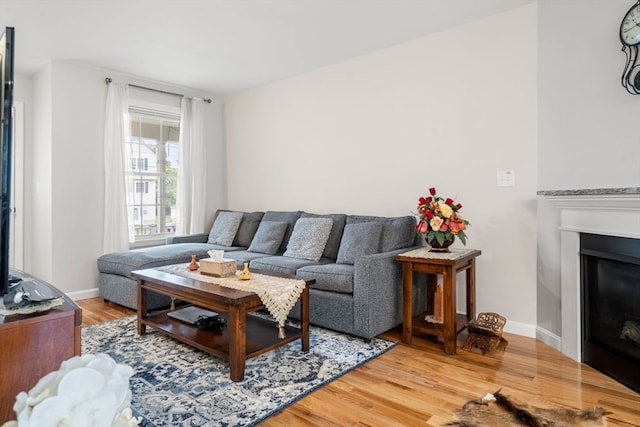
447 264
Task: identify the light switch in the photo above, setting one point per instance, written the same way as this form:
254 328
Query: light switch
506 178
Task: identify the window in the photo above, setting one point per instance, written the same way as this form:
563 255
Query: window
153 151
142 186
140 164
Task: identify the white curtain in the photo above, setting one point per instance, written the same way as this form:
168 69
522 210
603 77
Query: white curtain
191 172
117 230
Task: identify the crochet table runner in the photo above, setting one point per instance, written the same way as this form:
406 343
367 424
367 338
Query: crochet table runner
278 294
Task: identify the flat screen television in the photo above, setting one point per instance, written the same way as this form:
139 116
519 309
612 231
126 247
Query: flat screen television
6 123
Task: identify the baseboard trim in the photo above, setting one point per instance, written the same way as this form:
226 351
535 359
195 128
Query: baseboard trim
520 328
83 294
549 338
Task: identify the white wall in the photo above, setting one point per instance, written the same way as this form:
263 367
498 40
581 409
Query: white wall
588 124
24 88
77 175
68 172
40 158
372 134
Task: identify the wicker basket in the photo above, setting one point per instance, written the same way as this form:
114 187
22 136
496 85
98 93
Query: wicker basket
485 332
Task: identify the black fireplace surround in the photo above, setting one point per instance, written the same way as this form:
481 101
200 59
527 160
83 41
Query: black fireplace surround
610 289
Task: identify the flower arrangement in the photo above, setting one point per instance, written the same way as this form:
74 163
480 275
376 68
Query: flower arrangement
440 219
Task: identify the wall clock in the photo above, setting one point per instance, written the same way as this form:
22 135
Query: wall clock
630 38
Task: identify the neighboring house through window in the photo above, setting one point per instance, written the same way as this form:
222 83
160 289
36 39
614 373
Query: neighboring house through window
140 164
153 150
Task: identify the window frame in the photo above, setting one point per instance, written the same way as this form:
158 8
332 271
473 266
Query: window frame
168 111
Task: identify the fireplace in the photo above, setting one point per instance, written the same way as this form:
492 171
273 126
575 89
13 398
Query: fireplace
610 289
601 212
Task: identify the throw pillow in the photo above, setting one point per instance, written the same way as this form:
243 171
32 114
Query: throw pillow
308 239
268 237
333 243
225 228
359 239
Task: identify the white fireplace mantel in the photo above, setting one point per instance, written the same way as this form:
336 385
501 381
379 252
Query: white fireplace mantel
605 214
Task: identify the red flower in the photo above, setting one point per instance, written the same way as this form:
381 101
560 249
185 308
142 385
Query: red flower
422 201
449 201
428 214
432 190
458 206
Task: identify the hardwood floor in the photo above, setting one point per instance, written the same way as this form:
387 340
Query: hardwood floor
420 385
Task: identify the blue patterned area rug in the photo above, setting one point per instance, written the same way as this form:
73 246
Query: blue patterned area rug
178 385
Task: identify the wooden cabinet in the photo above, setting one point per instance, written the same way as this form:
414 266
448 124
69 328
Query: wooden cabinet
32 345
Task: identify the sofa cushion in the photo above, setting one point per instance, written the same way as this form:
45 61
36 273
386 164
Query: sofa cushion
398 232
289 217
281 264
330 277
225 228
240 257
333 243
358 240
248 227
123 263
226 249
268 237
309 238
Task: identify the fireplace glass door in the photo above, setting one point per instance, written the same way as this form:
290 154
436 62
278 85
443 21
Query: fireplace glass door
610 277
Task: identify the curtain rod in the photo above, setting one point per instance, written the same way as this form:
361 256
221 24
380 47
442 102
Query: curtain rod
108 80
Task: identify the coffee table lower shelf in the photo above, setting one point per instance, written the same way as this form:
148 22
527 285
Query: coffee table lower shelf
261 334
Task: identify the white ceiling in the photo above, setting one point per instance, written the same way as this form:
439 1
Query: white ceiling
224 46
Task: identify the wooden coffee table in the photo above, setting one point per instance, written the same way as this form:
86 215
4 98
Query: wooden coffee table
244 336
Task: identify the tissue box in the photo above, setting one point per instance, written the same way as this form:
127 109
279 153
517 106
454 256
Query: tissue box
218 268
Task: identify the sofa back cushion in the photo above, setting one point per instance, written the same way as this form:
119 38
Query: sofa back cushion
398 232
359 239
290 217
247 229
333 243
268 237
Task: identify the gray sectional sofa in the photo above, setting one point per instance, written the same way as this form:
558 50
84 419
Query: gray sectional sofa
358 287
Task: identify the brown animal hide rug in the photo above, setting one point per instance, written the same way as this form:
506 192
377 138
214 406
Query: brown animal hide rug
497 410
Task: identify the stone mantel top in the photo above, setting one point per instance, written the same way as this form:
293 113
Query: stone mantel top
590 192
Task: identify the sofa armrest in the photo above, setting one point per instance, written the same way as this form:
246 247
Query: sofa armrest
377 293
188 238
